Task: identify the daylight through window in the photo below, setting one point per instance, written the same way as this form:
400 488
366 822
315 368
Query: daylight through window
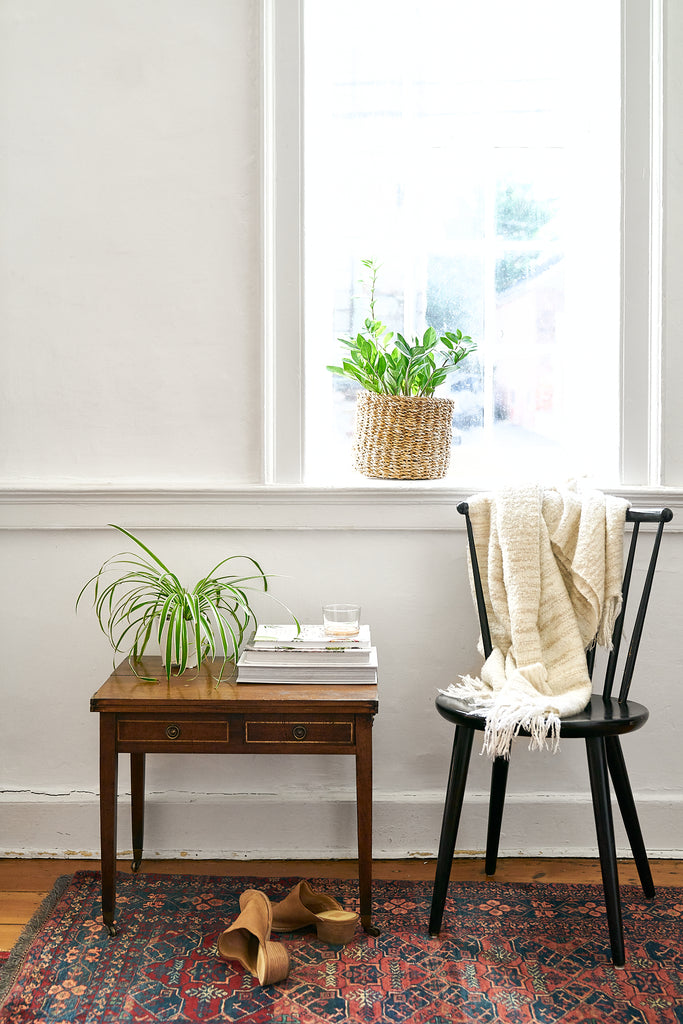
473 150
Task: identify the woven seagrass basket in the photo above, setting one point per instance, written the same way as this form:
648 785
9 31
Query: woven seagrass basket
402 438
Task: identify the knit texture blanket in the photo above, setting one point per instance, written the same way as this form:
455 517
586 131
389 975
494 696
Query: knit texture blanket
551 570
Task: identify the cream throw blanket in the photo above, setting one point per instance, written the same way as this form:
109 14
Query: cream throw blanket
551 568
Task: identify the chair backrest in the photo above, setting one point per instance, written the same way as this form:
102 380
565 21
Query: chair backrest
636 516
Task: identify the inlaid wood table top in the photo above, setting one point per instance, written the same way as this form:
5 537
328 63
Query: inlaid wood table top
197 690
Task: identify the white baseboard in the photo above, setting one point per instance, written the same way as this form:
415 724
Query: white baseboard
323 826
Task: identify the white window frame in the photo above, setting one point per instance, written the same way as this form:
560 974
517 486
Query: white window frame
642 241
282 241
641 277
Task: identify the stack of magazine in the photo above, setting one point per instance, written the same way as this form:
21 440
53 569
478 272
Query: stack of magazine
277 654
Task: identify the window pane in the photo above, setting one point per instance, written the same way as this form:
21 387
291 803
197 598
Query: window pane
458 145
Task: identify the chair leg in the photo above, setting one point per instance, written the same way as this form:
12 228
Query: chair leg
499 777
460 759
597 768
622 788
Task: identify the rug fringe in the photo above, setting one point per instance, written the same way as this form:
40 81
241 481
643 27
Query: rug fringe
11 967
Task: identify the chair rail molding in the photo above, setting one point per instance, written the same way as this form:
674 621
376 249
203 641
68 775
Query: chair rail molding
385 506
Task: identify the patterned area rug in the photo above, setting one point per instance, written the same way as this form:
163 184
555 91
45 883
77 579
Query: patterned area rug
508 953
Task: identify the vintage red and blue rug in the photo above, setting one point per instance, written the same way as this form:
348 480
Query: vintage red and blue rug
508 954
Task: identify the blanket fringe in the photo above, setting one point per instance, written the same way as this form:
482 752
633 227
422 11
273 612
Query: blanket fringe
470 691
504 723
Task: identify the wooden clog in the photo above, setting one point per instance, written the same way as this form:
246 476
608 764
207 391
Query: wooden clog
247 940
303 907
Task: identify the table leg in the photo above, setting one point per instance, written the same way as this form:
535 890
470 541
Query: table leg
137 806
364 818
108 794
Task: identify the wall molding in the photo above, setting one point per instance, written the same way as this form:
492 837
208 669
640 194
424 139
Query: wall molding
200 826
378 506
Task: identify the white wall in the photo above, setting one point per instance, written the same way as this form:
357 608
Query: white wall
130 322
411 585
129 203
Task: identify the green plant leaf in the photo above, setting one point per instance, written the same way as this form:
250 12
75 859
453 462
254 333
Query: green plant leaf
135 598
378 369
403 345
143 546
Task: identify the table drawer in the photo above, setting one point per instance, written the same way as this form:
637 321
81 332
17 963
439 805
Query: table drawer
294 731
173 730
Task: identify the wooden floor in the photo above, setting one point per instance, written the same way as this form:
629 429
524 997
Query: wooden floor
25 883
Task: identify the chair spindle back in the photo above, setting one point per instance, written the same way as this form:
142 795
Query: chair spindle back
635 516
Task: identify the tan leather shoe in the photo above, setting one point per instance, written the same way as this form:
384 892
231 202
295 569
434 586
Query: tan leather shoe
304 906
247 940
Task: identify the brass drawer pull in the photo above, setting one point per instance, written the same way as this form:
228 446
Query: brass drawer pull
317 732
173 732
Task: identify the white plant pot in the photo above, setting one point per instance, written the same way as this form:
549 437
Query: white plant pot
192 661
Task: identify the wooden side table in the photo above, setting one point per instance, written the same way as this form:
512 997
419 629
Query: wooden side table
190 715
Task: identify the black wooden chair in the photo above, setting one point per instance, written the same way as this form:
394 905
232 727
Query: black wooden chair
600 724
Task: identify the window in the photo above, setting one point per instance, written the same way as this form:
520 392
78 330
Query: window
458 145
503 163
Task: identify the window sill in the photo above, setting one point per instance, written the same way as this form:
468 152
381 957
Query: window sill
377 505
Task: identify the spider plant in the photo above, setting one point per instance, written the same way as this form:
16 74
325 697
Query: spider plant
145 599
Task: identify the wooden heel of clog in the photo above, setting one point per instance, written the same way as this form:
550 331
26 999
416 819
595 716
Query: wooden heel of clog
336 926
272 963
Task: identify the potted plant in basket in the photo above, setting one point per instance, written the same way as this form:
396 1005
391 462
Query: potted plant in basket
138 599
403 431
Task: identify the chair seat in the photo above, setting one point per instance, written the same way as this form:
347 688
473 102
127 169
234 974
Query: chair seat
600 717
